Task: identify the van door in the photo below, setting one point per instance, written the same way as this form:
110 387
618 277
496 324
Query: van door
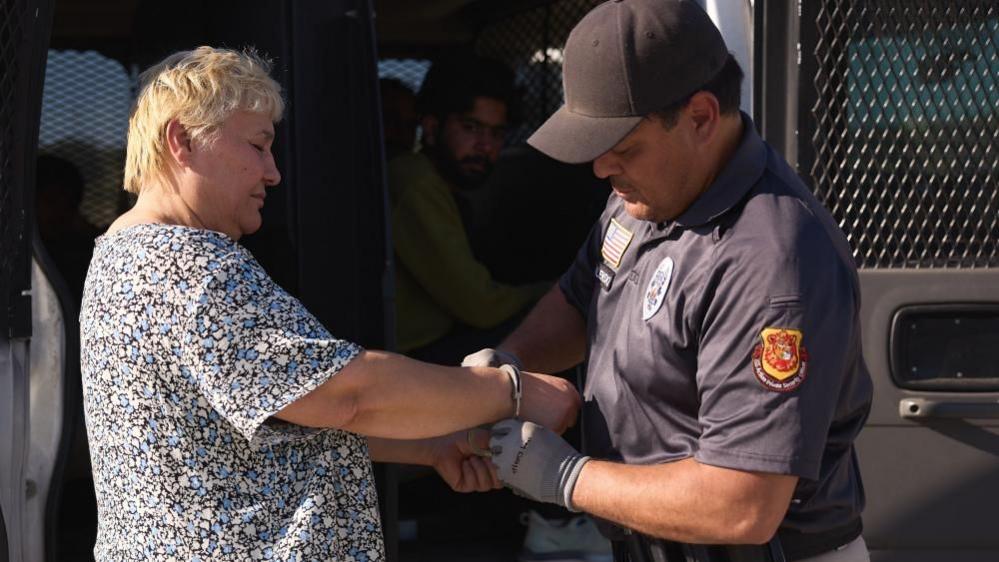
340 205
896 130
24 29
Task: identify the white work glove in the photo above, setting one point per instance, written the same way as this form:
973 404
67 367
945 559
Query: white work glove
535 462
490 357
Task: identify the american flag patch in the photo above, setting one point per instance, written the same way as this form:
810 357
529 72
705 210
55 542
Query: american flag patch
615 243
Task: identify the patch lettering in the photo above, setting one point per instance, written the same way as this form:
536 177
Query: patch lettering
606 276
780 362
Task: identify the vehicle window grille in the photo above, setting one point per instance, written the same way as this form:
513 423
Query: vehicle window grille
907 129
85 108
531 42
408 71
11 223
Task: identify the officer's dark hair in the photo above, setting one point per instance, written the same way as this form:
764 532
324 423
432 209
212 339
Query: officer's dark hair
55 173
726 86
453 83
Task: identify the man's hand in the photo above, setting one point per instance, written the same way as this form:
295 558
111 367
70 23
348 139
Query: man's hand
490 357
535 462
452 456
549 401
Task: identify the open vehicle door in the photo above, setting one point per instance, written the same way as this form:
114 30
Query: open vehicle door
890 111
24 29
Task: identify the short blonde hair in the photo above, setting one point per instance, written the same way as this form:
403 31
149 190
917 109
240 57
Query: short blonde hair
201 89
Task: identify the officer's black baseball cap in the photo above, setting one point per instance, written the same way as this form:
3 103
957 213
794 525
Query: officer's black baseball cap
624 60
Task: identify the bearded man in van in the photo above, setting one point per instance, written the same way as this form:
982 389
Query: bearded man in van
447 301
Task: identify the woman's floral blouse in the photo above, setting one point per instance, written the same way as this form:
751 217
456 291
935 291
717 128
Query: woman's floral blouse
188 349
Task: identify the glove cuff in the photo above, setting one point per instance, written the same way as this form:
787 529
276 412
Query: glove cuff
507 357
569 481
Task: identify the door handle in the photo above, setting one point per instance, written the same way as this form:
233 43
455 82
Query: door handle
924 408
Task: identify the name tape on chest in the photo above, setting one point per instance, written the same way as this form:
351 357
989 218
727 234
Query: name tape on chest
606 276
655 293
780 362
616 241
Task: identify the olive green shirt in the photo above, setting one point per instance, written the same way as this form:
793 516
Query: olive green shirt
438 280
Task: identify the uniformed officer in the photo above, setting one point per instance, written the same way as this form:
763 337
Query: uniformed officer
716 304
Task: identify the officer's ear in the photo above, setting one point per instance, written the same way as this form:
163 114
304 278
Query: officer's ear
430 124
704 113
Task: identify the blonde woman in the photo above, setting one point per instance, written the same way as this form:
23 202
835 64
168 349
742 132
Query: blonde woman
225 421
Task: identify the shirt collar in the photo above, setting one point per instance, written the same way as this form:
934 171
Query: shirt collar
741 172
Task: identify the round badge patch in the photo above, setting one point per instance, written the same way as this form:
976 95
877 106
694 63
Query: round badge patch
780 363
655 293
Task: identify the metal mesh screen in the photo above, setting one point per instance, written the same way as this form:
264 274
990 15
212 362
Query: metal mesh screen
531 43
907 129
85 108
11 17
408 71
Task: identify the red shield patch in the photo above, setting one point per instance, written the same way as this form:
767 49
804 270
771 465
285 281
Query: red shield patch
780 362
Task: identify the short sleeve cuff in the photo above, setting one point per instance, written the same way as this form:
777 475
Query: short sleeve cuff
569 290
256 416
755 462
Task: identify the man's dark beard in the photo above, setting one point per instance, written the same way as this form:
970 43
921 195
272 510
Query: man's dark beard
451 170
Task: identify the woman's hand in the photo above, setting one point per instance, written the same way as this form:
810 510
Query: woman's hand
549 401
455 460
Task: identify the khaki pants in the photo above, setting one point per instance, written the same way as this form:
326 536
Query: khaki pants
853 551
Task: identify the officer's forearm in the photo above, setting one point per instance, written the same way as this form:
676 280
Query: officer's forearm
552 338
686 501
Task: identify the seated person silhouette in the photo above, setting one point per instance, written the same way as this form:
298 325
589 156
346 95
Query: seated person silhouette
66 234
398 117
448 303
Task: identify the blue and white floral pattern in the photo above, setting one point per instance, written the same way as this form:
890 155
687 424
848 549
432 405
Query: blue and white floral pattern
188 348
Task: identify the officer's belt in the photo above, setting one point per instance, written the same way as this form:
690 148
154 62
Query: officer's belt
788 545
639 548
798 545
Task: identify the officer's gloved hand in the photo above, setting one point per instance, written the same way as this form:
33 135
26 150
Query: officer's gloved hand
535 462
490 357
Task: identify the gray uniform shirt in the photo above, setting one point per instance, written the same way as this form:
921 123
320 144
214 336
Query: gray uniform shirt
729 335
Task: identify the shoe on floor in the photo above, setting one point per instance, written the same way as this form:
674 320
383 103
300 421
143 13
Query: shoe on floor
572 540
